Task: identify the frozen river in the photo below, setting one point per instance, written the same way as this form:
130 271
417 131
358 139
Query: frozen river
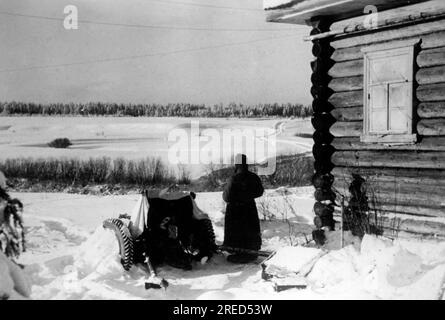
132 138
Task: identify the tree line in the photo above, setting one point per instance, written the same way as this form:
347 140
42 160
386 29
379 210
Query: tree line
157 110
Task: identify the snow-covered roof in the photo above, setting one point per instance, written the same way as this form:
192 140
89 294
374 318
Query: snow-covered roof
279 4
302 11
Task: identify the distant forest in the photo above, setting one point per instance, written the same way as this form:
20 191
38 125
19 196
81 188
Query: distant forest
157 110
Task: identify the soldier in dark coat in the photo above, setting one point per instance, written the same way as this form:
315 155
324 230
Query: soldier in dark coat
242 225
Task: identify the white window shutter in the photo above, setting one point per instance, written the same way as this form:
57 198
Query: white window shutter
378 110
399 100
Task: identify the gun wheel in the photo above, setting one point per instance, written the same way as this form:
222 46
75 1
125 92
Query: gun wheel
125 240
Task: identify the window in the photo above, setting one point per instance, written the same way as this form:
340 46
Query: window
388 94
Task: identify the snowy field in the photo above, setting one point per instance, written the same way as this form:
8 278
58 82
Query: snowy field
129 137
70 256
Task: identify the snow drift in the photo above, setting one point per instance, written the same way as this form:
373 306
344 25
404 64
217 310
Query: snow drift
13 282
71 256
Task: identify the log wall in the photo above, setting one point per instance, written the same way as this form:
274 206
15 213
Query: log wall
405 180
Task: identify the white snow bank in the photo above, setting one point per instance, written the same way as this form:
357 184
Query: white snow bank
404 269
100 253
86 274
13 282
375 269
384 269
336 240
293 260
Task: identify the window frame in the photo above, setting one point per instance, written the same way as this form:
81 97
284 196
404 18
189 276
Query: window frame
388 50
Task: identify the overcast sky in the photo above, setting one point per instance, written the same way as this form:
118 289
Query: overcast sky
275 70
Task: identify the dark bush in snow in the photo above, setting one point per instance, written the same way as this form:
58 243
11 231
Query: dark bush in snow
60 143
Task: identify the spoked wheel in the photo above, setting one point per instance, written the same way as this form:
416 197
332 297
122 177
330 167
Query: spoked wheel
125 240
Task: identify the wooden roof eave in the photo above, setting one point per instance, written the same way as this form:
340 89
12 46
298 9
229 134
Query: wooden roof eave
304 12
382 25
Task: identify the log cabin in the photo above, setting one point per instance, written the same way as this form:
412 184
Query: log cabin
378 87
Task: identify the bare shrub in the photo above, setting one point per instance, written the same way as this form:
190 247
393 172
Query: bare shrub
289 212
264 209
216 176
183 175
61 143
291 171
283 212
145 172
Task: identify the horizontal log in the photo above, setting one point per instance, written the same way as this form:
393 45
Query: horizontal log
431 127
396 192
403 226
431 57
431 81
347 129
413 204
393 175
347 84
431 109
431 92
405 210
431 75
347 69
432 41
414 207
431 30
347 99
354 53
347 54
428 191
398 199
348 76
412 235
348 114
394 159
423 144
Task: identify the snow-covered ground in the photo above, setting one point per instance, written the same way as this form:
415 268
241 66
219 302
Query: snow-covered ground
132 138
70 256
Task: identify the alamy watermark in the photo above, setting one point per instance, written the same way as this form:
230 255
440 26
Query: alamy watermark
71 21
193 146
371 20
